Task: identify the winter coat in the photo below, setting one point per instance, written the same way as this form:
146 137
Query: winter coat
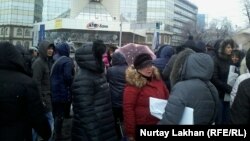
167 71
164 55
241 107
41 74
106 60
27 58
20 105
193 89
93 119
136 99
116 79
236 86
222 63
62 75
243 66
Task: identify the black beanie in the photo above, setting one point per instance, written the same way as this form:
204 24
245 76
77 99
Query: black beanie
142 60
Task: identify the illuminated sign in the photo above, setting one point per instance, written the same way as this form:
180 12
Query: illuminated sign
93 25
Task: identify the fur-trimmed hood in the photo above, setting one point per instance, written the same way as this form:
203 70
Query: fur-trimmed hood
136 79
178 64
190 65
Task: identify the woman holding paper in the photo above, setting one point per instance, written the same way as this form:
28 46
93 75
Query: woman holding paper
143 81
220 78
191 88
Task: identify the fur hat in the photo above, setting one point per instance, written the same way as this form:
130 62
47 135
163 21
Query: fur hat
142 60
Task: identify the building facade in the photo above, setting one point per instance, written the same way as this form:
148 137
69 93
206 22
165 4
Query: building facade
53 9
171 16
90 20
145 17
16 20
156 16
201 22
128 10
185 14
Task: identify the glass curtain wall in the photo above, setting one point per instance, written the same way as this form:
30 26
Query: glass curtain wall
54 8
17 12
95 11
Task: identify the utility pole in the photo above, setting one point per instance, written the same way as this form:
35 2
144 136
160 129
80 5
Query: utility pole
120 39
134 37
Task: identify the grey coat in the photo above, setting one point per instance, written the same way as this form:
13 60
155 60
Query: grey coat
193 89
41 71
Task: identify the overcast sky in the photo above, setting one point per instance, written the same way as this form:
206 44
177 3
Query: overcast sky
232 9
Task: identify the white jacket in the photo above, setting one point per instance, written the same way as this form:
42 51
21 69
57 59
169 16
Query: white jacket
241 78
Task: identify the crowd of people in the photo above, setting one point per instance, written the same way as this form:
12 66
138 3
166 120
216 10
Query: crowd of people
102 97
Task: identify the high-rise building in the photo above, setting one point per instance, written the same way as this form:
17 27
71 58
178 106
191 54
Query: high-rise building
17 18
53 9
168 17
201 22
185 14
156 15
128 10
171 15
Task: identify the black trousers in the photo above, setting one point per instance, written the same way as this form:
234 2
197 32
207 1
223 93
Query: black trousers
118 115
61 111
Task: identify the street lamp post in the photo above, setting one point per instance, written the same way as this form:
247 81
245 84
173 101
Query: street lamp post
120 39
133 37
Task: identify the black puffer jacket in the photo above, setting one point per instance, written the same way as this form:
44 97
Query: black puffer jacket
192 89
116 78
20 105
93 119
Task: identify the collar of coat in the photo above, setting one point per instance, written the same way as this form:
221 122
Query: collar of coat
136 79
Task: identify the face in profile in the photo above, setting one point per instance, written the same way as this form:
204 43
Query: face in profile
50 52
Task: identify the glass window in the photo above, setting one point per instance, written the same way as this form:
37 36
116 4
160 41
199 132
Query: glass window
2 31
95 11
27 32
18 43
19 32
149 38
26 44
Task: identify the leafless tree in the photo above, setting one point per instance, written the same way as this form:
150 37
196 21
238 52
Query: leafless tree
217 29
246 9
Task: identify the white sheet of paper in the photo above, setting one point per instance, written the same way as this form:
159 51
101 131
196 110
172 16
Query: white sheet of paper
187 117
232 76
157 108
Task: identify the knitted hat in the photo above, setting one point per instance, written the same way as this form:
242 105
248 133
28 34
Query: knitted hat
142 60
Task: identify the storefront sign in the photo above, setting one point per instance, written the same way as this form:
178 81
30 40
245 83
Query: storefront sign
93 25
58 23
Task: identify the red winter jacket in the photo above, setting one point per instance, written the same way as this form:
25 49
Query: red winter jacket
136 99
